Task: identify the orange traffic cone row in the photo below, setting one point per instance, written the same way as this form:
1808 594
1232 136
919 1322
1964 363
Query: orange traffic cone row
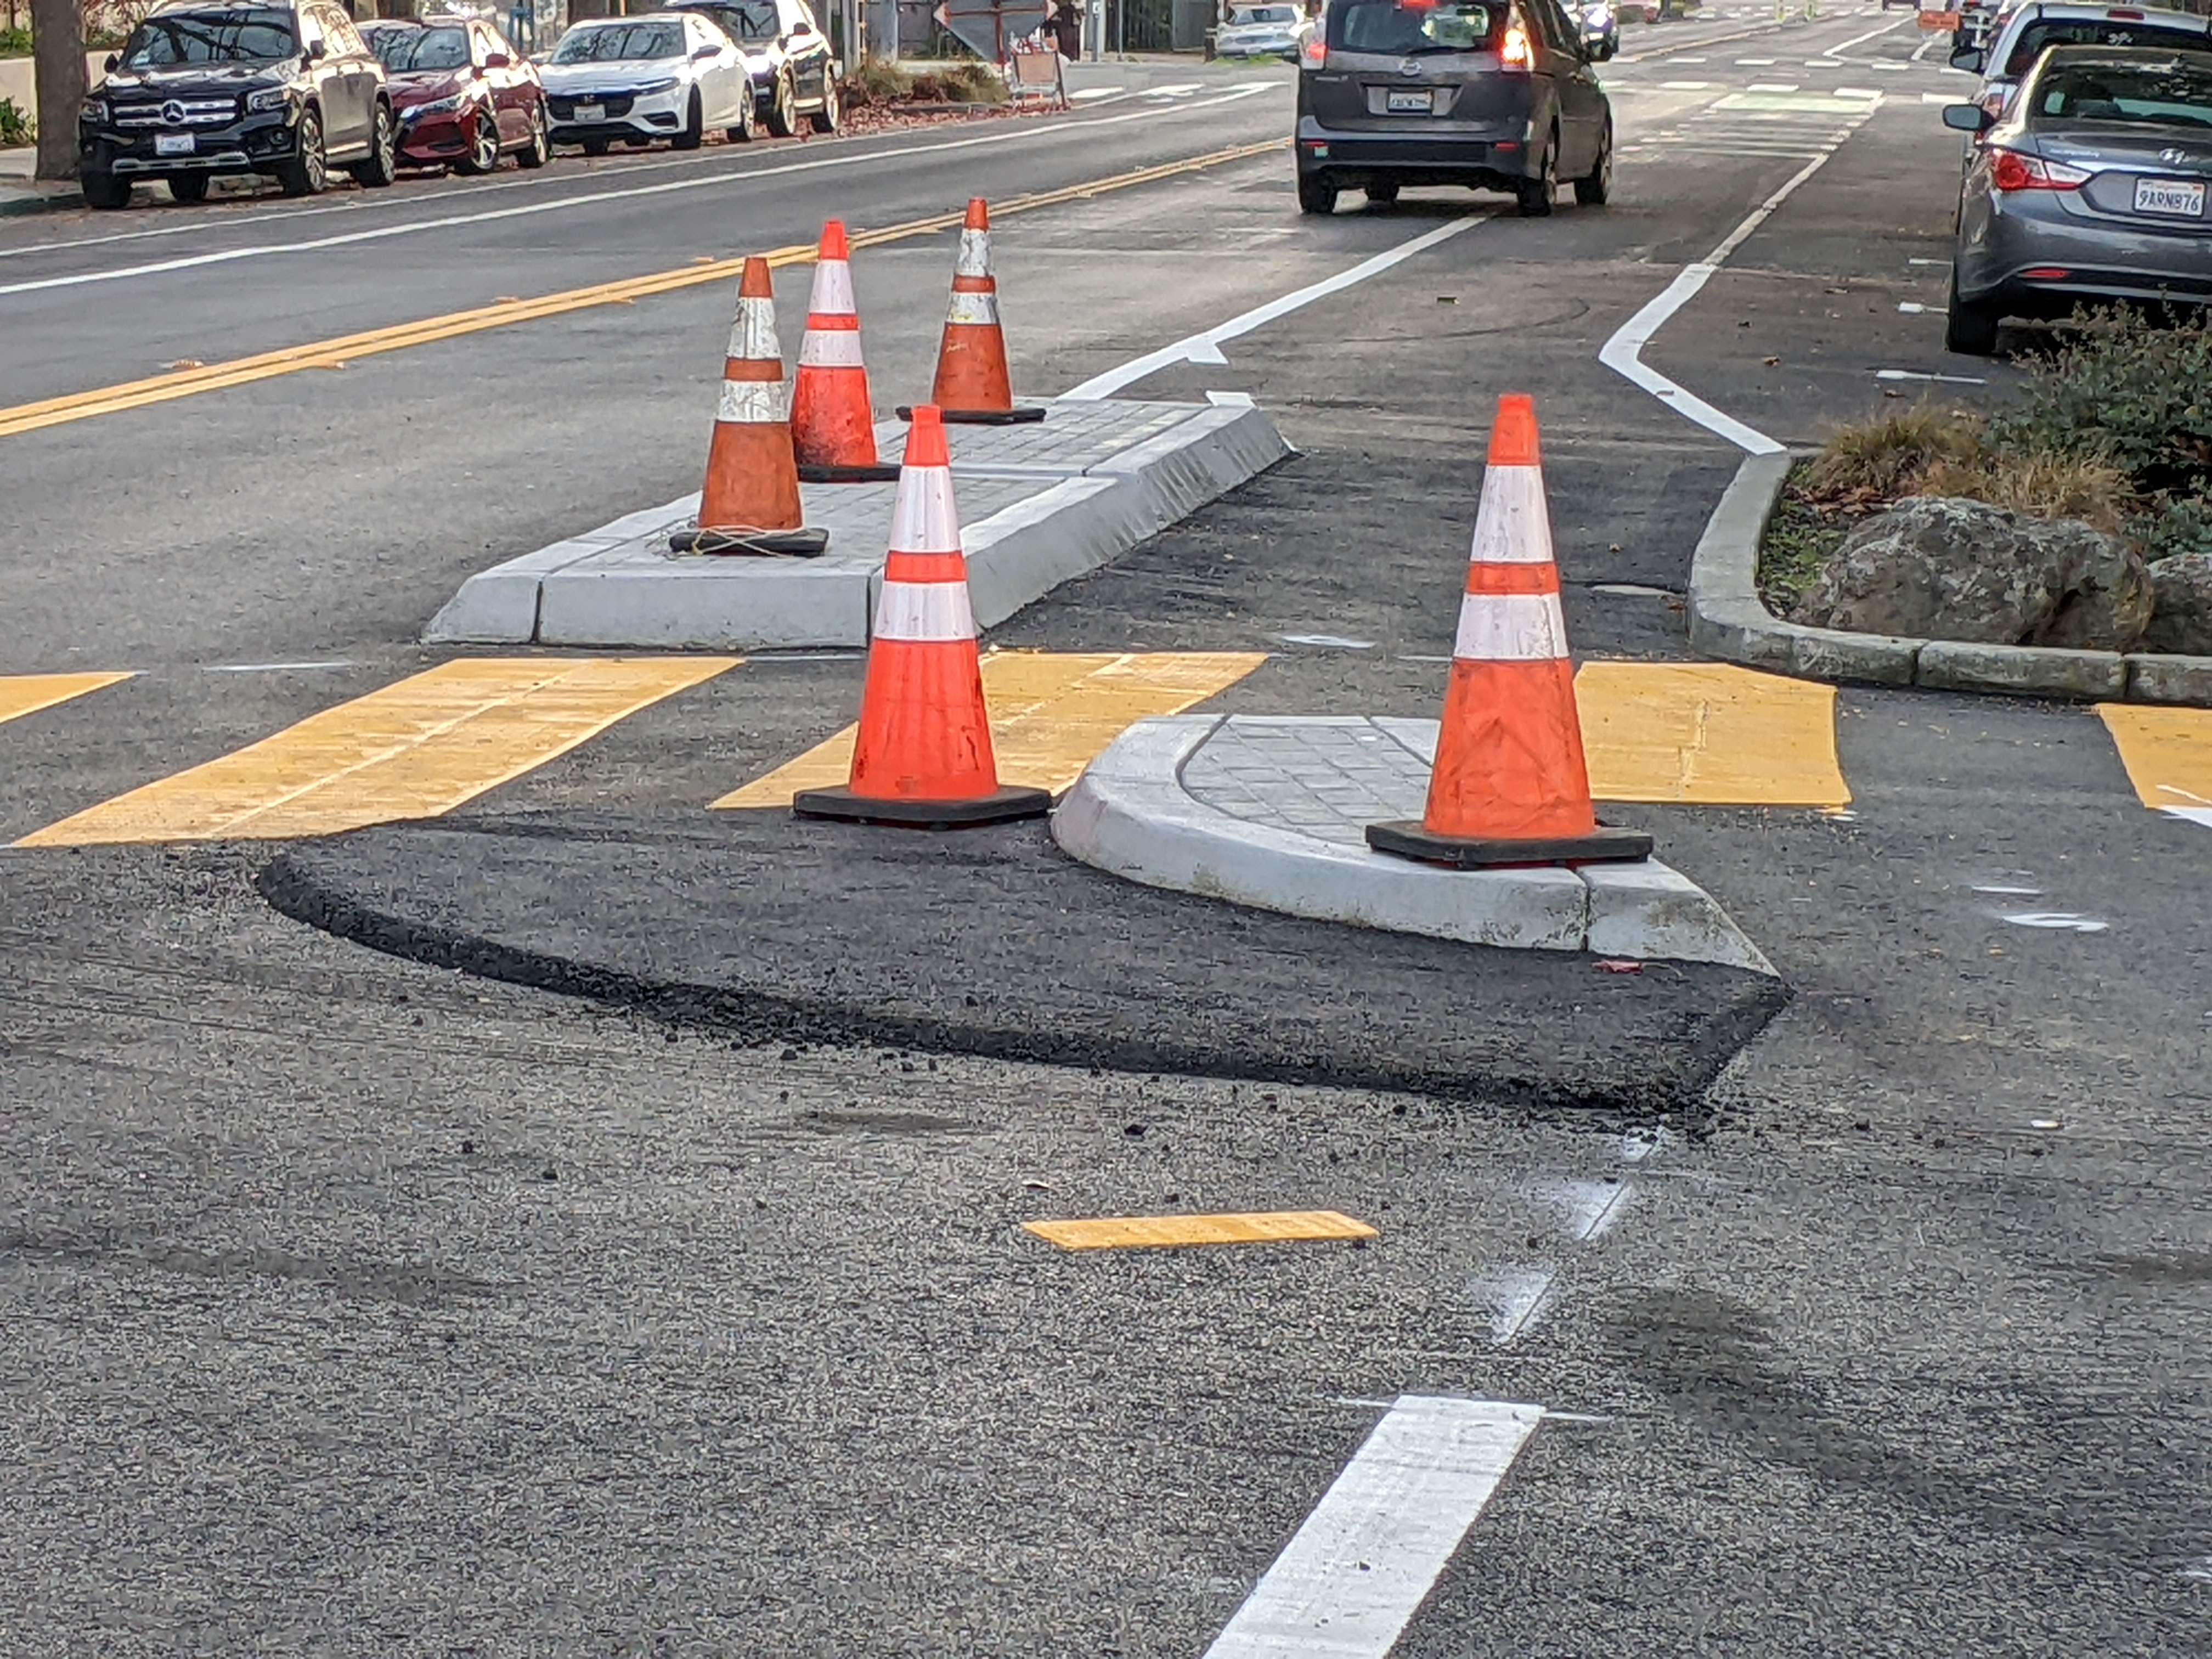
833 422
1510 785
751 501
973 382
921 757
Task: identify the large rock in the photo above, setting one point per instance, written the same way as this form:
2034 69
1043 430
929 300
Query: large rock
1940 568
2181 614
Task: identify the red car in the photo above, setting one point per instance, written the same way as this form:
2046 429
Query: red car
462 95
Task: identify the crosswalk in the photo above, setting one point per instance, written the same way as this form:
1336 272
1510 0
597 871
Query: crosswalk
1785 123
1691 734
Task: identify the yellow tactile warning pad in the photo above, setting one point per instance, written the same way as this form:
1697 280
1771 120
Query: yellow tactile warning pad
2167 752
412 750
1164 1231
1051 714
27 694
1707 735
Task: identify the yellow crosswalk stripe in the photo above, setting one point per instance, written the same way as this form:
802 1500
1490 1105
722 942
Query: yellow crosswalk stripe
2167 753
415 749
1707 735
1051 713
1159 1231
27 694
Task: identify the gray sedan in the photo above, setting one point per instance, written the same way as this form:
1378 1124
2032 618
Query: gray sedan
2091 187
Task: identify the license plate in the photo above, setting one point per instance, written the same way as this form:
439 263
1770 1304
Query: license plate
591 111
1410 103
172 143
2167 196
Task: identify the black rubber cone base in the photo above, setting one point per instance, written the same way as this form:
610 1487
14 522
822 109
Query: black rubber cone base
887 472
1002 806
1408 840
1018 416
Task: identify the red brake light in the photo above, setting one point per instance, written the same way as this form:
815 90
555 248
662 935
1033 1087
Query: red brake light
1314 53
1513 51
2009 171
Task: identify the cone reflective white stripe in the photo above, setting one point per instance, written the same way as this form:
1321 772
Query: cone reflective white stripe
974 256
1512 525
753 335
925 521
921 613
746 402
832 293
979 308
830 348
1509 628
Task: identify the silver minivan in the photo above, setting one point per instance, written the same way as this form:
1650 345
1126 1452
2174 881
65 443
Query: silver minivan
1490 94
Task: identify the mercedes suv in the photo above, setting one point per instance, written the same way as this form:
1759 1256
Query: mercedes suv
207 87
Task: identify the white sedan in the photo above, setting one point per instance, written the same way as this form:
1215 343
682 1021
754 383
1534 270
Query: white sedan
1270 31
659 75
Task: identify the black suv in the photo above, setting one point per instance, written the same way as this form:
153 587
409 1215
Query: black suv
203 87
793 72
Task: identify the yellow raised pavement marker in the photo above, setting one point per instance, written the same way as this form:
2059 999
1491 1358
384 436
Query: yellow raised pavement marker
1707 735
27 694
1051 713
412 749
1143 1232
2168 755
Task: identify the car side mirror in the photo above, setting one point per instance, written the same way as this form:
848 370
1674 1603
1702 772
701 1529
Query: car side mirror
1969 58
316 51
113 63
497 60
1967 117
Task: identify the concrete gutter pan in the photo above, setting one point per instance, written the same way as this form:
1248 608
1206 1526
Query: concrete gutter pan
1729 620
1039 504
1269 811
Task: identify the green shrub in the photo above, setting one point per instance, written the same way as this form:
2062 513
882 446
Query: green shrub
17 129
15 42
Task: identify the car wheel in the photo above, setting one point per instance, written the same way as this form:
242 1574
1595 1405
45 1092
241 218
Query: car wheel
826 119
188 186
1315 194
539 151
308 171
597 146
783 109
383 164
1969 329
1534 196
1382 195
694 125
748 126
1593 191
105 192
483 143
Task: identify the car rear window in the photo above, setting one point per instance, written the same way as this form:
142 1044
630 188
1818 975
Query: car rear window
2175 92
1387 25
221 36
405 49
757 22
2093 32
616 42
1265 15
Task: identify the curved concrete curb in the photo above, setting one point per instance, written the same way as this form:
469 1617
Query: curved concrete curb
1729 620
1131 814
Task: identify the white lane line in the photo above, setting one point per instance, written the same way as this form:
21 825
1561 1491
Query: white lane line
1911 308
1591 1207
1515 1296
1685 85
1231 399
271 667
1206 346
1092 94
1177 89
1754 63
632 192
1346 1586
1841 46
1772 86
1623 353
2190 814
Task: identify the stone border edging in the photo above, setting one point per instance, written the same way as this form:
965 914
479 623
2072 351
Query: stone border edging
1730 621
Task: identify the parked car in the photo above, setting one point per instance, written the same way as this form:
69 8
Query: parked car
281 87
793 71
462 95
1273 31
1601 28
2021 36
2091 187
658 75
1491 94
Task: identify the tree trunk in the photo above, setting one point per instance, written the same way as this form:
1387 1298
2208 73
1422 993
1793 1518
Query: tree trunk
57 64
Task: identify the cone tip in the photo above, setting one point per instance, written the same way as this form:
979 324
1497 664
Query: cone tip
979 214
833 245
1513 438
925 440
755 283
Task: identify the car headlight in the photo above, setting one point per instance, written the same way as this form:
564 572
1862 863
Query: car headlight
94 110
440 105
651 87
267 99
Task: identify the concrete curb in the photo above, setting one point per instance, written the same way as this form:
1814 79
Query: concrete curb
12 205
1131 814
1043 504
1730 621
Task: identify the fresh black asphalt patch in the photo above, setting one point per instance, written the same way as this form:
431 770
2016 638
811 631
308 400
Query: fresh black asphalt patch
993 943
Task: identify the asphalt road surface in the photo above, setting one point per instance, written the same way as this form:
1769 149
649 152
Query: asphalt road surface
355 1306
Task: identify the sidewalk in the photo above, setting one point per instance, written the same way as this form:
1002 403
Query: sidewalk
19 194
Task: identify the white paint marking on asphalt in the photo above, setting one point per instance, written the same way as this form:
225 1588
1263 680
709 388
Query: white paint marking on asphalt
1941 264
2197 815
1350 1581
1175 89
1939 379
1591 1207
631 193
2055 921
1229 400
271 667
1092 94
1754 63
1690 60
1855 92
1772 86
1685 85
1911 308
1189 348
1328 641
1254 86
1633 591
1856 38
1890 65
2012 892
2046 1123
1515 1296
1623 352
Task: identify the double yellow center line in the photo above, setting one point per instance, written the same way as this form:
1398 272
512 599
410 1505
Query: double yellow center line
337 353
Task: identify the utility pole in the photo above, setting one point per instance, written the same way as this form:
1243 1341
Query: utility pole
57 73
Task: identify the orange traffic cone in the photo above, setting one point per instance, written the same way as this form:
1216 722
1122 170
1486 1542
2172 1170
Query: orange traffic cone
1510 785
973 382
750 503
833 422
922 756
